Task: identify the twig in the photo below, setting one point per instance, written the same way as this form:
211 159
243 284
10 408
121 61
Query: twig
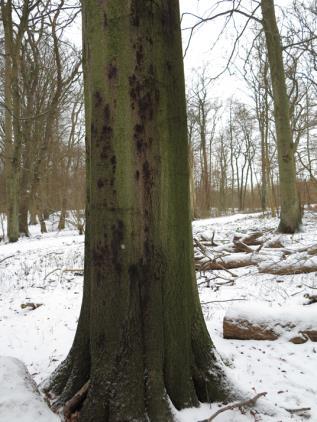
310 287
7 257
51 272
249 402
72 270
297 293
217 301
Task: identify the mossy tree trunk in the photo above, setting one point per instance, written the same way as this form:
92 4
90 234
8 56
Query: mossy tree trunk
141 336
12 146
290 217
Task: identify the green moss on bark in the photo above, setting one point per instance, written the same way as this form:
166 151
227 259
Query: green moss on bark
290 217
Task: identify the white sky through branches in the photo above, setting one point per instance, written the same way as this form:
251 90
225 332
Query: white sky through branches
205 49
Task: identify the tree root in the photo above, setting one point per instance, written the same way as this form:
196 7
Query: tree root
75 402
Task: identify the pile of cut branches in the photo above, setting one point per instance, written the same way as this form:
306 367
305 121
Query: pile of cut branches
269 255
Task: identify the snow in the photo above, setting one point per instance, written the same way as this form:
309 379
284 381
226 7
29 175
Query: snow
19 399
264 313
33 270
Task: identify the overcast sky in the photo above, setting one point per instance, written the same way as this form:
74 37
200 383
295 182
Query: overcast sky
204 52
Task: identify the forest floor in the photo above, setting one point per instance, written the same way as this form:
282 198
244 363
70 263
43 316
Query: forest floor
36 271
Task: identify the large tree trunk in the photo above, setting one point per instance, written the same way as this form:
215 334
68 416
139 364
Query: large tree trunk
147 336
290 217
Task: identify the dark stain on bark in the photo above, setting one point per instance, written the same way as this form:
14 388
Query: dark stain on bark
135 13
138 129
99 255
137 175
146 171
144 95
139 55
146 107
105 19
138 137
107 131
112 71
98 99
113 163
100 183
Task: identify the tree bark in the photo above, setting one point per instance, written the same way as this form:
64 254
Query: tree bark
12 147
147 336
290 217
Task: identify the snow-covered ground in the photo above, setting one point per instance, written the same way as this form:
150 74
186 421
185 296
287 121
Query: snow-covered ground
35 270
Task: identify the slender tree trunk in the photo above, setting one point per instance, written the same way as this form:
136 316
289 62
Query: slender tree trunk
23 216
61 223
290 217
145 343
11 143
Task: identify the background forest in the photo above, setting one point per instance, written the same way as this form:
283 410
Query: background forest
231 131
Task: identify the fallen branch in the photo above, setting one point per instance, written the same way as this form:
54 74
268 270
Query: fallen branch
229 262
243 403
209 241
288 268
299 410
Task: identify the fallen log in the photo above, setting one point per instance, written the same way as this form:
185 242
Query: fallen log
228 262
261 322
302 265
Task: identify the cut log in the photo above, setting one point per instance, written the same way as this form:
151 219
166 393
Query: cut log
260 322
241 329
